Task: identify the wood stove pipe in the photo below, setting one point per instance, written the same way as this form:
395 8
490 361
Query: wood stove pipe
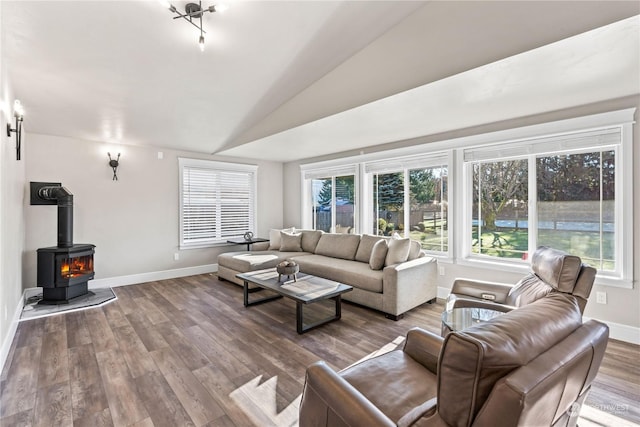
64 200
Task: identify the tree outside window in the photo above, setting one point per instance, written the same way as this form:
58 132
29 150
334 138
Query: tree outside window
499 217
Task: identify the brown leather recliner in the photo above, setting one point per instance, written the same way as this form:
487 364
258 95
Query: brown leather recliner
551 271
529 367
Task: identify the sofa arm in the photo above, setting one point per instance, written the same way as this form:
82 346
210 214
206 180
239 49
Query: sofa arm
490 291
260 246
409 284
327 400
424 347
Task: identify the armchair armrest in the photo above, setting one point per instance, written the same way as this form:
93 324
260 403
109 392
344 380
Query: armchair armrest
327 398
456 301
490 291
424 347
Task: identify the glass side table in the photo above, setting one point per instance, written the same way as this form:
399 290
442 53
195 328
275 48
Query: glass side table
461 318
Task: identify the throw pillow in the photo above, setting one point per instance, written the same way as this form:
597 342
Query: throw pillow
274 238
378 255
414 250
366 246
398 251
290 242
310 239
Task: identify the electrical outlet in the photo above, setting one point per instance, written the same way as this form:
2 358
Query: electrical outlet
160 155
441 270
601 297
176 256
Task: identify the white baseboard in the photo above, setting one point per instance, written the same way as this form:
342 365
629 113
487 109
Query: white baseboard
8 340
133 279
617 331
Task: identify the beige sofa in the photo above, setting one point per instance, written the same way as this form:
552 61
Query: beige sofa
393 276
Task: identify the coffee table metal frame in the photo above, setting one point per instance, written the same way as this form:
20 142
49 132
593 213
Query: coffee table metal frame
272 284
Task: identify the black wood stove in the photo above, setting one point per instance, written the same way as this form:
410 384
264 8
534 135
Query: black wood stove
63 270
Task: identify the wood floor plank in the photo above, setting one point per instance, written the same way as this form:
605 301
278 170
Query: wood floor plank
53 406
161 402
77 330
133 351
100 330
148 333
54 361
125 404
187 352
96 419
88 397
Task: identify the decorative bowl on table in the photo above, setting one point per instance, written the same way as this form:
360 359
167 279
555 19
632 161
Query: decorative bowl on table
287 268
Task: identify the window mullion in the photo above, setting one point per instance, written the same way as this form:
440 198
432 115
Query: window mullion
407 202
532 199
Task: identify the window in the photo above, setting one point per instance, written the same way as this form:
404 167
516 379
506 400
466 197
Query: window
409 196
562 191
331 194
576 205
499 213
217 201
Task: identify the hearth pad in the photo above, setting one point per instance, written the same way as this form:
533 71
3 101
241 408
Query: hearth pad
94 298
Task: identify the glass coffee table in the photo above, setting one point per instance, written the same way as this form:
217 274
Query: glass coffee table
461 318
306 289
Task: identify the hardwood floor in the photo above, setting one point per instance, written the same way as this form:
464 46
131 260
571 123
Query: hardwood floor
186 352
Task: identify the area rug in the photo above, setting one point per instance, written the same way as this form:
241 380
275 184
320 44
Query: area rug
33 310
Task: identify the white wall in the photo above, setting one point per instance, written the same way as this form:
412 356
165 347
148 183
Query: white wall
622 311
134 222
12 178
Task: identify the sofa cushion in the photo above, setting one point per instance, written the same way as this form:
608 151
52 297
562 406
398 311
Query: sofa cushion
557 268
274 238
338 245
415 250
250 261
378 255
366 245
398 251
290 242
473 360
310 239
356 274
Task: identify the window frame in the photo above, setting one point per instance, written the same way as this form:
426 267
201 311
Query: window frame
216 167
329 172
623 120
405 164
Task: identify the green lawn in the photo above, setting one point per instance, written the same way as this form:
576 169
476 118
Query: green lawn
511 243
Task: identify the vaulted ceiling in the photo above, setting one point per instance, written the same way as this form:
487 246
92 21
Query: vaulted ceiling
289 80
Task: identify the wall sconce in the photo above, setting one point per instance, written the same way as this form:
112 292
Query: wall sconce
114 163
18 113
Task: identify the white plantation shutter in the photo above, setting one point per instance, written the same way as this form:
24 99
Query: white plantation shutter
217 201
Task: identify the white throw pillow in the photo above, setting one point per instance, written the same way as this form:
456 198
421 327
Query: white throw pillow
398 251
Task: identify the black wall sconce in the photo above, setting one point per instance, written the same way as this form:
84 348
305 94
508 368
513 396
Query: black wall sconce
114 163
18 113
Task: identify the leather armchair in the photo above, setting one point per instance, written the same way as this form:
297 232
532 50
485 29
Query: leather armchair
531 366
551 271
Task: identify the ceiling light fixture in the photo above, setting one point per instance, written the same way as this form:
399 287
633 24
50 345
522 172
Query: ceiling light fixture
192 14
18 113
